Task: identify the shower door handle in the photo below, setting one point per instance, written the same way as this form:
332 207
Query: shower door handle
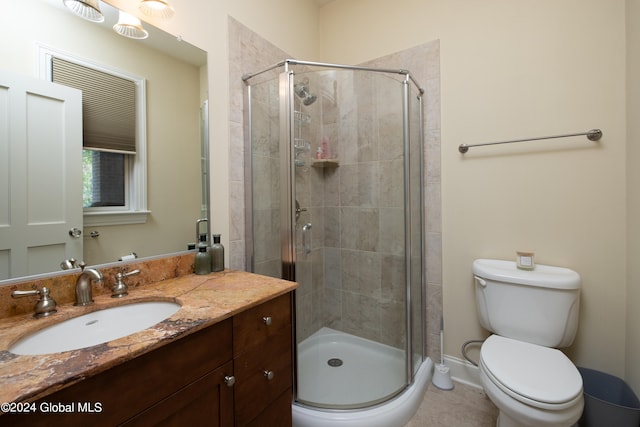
306 238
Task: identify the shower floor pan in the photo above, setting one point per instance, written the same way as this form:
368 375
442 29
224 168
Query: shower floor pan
339 370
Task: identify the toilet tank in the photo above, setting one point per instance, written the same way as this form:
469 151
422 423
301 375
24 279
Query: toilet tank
539 306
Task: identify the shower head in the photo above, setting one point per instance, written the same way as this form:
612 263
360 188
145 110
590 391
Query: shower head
302 90
309 99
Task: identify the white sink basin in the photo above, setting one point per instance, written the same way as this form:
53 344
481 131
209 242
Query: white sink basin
95 328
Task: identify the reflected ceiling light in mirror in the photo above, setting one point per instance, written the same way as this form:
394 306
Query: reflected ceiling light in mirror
130 26
87 9
156 8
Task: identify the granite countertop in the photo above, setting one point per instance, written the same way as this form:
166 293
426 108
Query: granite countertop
205 300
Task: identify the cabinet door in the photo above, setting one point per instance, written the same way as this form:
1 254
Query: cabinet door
207 402
262 374
262 343
278 413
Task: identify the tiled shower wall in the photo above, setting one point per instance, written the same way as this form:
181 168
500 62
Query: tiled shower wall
248 52
319 303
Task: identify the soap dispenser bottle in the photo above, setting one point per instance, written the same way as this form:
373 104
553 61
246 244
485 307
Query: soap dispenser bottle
203 258
217 254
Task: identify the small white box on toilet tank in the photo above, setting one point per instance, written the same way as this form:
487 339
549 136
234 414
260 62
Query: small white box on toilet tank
540 306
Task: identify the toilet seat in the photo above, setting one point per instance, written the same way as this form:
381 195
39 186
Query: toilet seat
532 374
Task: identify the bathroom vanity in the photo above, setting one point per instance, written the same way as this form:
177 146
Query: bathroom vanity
224 359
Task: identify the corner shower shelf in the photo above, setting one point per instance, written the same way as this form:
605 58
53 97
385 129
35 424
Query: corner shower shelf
325 163
301 117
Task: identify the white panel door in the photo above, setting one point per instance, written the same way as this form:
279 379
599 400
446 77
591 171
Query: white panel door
40 175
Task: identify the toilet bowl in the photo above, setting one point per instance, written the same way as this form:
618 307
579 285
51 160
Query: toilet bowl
530 384
531 314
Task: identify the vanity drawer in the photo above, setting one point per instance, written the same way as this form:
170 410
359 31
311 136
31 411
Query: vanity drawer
262 374
256 325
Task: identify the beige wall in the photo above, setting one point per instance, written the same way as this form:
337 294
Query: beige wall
509 70
632 373
514 70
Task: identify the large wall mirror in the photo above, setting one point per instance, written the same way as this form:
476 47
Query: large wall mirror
176 137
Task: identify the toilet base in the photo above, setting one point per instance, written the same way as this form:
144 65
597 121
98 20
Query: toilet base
517 414
506 421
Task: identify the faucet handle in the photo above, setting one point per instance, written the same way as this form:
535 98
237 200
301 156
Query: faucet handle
120 289
45 304
121 275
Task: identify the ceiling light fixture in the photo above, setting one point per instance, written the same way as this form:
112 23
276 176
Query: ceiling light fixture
130 26
87 9
156 8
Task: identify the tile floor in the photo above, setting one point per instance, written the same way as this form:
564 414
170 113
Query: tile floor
464 406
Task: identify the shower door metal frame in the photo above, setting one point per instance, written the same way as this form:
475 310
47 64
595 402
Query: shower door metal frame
247 116
287 178
406 136
423 244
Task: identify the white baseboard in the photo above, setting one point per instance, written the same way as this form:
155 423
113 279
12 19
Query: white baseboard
463 371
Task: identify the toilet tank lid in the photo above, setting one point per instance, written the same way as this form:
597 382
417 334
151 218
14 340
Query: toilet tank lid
544 276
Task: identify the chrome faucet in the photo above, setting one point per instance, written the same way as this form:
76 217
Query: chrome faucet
84 294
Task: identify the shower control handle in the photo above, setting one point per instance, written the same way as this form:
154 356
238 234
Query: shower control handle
269 375
299 210
267 320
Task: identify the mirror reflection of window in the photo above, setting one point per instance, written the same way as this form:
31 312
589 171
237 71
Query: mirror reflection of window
109 131
108 104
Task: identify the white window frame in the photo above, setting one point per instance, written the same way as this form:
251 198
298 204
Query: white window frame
135 210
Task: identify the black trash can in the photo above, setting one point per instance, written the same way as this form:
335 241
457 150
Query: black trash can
608 401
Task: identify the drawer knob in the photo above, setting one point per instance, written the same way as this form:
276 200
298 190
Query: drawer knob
267 320
229 380
269 375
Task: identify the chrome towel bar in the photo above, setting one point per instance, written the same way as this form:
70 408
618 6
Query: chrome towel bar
592 135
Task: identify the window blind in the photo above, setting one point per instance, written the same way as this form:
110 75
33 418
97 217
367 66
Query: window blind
108 106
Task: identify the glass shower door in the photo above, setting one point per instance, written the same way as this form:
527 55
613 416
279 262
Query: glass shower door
335 203
350 238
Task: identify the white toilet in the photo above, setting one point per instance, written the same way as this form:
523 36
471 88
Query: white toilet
531 313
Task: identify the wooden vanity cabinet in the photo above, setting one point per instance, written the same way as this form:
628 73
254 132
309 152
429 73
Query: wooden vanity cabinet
175 382
184 383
